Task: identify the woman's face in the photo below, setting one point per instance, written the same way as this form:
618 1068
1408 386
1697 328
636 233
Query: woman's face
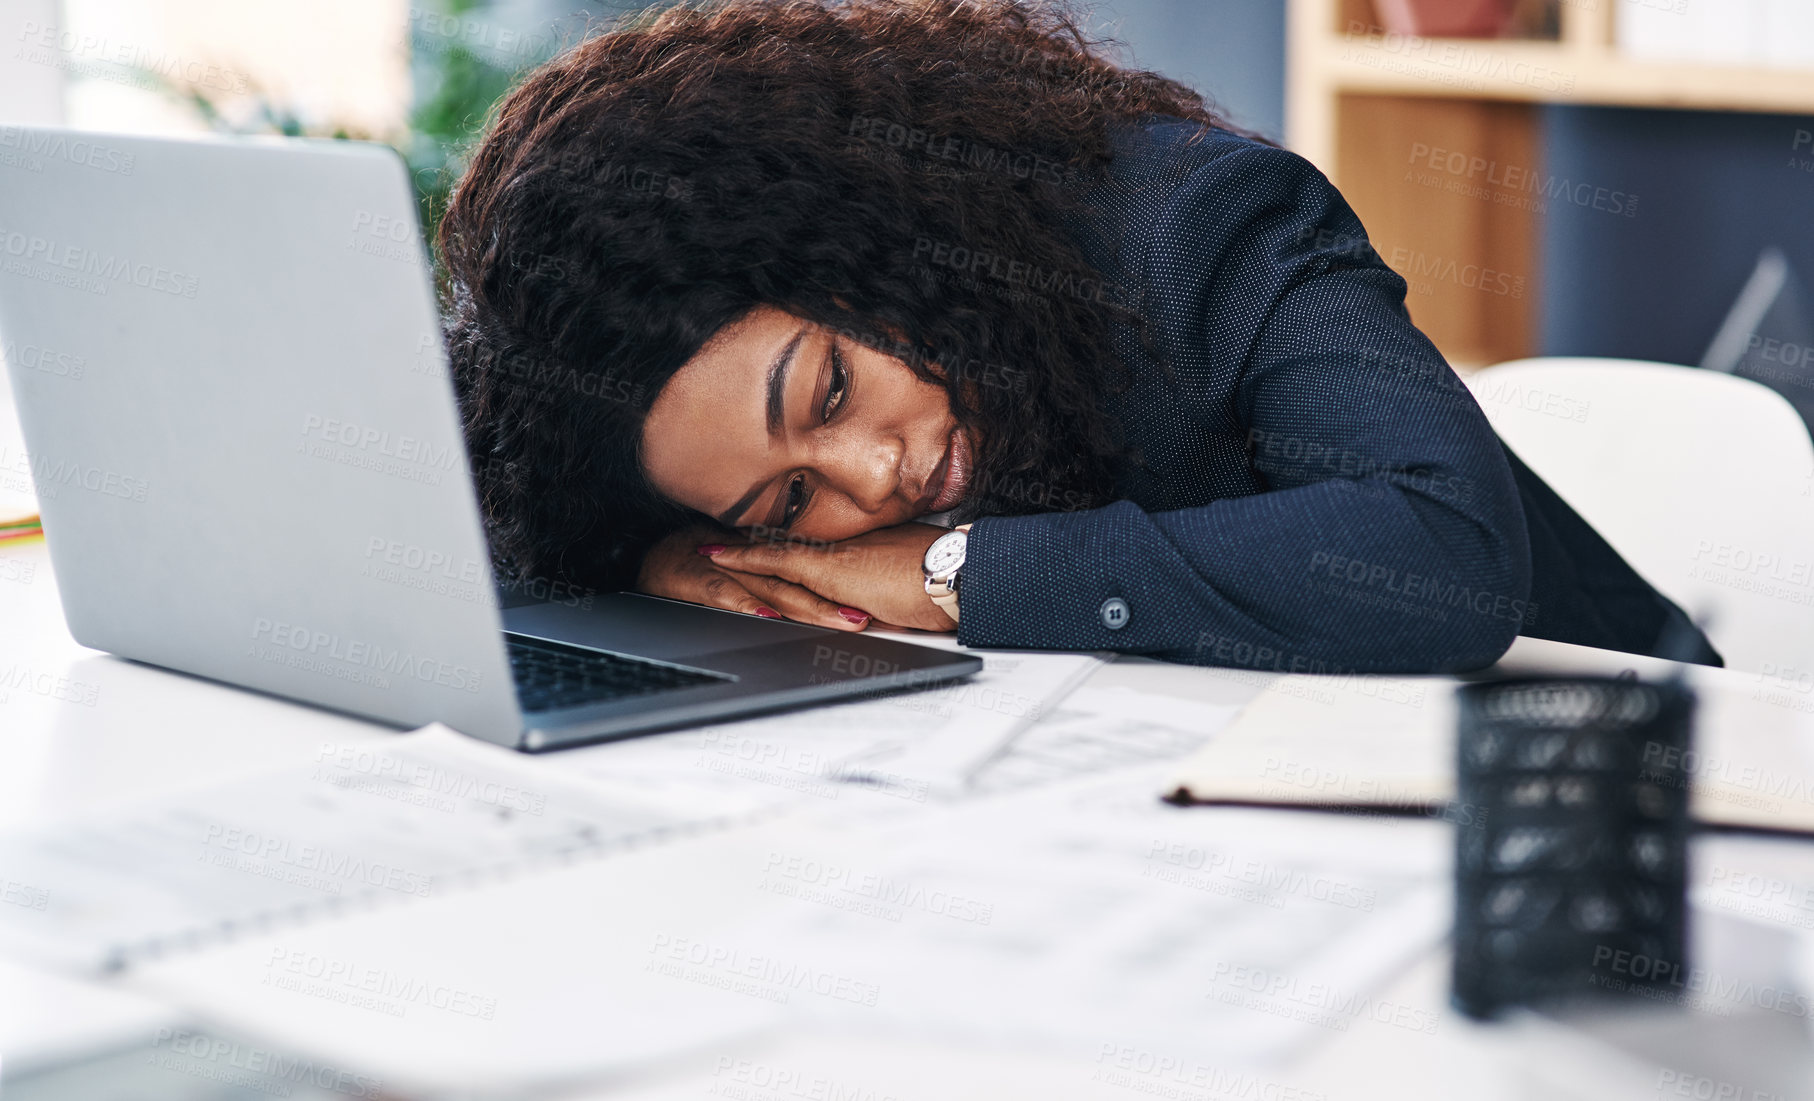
779 422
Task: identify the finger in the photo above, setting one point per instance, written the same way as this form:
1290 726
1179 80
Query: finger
797 602
783 560
719 590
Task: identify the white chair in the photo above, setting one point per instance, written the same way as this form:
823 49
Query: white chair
1704 482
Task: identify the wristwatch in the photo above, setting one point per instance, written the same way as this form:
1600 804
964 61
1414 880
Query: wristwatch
944 558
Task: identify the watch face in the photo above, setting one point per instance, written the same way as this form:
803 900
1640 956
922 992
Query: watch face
946 554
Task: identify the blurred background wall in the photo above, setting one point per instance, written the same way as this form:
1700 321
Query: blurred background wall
1715 187
1231 50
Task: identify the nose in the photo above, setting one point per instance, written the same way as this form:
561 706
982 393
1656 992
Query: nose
869 472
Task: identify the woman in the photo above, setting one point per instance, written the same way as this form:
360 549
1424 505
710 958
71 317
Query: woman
742 297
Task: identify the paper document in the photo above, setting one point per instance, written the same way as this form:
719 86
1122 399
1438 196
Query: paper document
1096 729
965 723
1390 742
907 745
365 824
1083 917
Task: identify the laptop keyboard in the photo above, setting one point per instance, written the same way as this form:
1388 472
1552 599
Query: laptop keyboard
552 675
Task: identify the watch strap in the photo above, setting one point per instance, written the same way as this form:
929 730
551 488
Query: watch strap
944 592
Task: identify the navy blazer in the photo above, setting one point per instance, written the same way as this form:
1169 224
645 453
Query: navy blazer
1312 489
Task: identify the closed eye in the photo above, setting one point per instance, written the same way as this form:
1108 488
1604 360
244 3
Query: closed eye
795 500
836 389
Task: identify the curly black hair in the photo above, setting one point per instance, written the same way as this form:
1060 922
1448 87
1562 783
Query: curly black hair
891 169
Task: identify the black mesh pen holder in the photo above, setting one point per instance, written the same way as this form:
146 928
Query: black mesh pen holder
1570 868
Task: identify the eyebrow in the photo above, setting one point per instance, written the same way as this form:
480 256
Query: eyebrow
777 386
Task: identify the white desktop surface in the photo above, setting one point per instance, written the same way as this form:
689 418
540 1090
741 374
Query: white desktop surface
150 732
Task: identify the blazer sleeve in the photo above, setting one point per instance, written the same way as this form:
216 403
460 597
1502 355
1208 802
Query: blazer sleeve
1390 537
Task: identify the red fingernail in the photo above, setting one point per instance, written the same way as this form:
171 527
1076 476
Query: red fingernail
768 613
853 615
710 549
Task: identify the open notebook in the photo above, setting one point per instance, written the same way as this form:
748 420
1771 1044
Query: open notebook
1388 744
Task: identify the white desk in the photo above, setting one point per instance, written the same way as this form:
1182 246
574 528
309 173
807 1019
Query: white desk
148 731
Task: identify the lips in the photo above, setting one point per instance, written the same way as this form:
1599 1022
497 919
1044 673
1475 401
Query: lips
956 469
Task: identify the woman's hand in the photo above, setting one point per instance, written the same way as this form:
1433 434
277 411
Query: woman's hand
879 572
676 568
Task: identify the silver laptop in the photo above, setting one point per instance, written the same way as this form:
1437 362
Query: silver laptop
238 416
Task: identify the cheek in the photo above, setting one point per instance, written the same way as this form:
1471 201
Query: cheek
835 524
834 520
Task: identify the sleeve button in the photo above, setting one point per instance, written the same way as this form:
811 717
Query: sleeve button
1115 613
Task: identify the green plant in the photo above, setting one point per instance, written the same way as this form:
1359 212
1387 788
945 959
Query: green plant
454 87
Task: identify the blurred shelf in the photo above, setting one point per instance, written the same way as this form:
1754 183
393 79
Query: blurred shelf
1361 104
1546 72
